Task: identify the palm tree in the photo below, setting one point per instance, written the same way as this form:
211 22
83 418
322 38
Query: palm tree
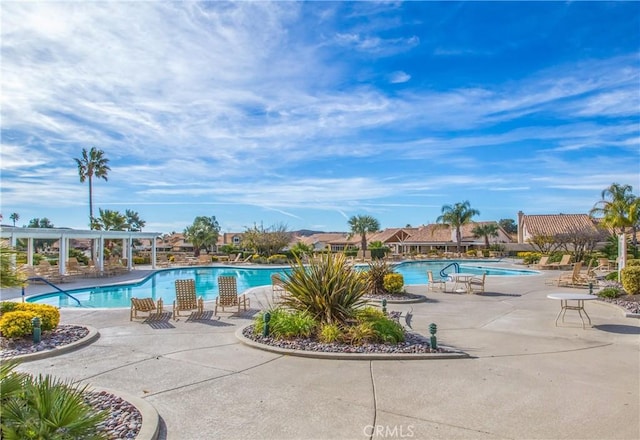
457 215
110 220
14 217
486 230
93 163
618 207
202 233
134 222
361 225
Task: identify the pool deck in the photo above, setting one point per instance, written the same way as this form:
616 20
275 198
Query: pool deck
525 377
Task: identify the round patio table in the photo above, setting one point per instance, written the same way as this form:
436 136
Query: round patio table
579 299
461 278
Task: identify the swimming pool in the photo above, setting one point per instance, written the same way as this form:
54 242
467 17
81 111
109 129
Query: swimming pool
161 284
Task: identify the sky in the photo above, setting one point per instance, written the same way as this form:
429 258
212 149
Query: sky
304 114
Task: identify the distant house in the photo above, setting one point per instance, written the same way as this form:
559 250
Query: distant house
552 224
334 241
230 238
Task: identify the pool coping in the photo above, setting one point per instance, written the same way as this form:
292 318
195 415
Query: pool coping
454 354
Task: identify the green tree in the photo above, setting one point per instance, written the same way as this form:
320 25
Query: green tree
509 225
362 225
456 216
267 241
301 250
92 163
40 223
14 217
618 208
134 222
203 233
486 230
110 220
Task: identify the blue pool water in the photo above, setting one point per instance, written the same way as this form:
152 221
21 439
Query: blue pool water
161 284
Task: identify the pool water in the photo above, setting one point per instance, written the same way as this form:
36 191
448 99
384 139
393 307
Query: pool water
161 284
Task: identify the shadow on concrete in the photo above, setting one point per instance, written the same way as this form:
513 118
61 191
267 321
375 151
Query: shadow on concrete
208 318
619 328
498 294
159 321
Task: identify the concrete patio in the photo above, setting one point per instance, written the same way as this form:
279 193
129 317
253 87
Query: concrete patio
525 379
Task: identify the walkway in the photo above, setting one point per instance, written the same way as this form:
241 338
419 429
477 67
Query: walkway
526 378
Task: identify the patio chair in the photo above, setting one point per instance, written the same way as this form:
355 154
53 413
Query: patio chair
476 284
145 305
571 278
442 284
238 259
543 263
228 294
564 263
186 299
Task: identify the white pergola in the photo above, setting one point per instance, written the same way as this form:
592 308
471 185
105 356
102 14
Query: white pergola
64 235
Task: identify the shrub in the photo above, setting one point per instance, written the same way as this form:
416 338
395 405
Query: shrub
49 315
277 259
7 306
630 278
361 333
529 257
376 272
609 292
367 314
350 252
16 324
285 324
46 408
329 290
330 333
393 282
141 260
388 331
612 276
633 262
471 253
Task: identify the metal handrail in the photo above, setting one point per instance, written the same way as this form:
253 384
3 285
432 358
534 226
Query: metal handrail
44 280
455 265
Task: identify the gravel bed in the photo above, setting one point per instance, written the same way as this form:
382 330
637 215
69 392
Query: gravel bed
414 343
124 420
631 305
393 296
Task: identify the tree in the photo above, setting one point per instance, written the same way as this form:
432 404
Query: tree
203 233
268 241
92 163
486 230
544 244
456 216
110 220
618 207
581 241
134 222
509 225
40 223
14 217
362 225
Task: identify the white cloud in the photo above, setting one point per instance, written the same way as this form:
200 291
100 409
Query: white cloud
399 77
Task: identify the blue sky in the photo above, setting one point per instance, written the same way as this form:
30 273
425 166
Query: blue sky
305 114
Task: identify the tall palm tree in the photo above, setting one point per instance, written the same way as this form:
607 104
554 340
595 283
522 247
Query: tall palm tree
134 222
361 225
14 217
457 215
487 230
92 163
618 207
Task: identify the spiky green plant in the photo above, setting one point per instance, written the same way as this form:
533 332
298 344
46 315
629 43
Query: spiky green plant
378 269
330 333
45 408
285 324
329 290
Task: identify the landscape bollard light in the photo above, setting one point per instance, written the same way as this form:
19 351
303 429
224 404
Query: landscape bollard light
590 288
265 329
434 341
384 306
37 331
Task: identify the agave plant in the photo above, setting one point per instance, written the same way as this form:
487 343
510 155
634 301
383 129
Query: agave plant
378 269
45 408
329 290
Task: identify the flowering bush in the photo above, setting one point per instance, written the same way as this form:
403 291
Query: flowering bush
49 315
393 282
16 324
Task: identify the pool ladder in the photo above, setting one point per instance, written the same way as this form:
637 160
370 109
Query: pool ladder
456 269
44 280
